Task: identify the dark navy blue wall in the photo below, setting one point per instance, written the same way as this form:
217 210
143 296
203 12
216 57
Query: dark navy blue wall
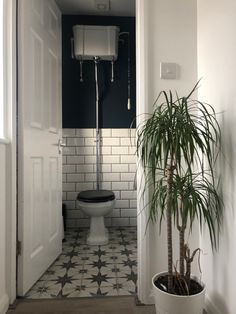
79 98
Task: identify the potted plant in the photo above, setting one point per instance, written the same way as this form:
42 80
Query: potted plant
178 145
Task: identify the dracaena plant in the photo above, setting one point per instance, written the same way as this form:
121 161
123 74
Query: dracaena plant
178 145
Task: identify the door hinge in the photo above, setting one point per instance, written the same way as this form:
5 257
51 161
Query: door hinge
18 248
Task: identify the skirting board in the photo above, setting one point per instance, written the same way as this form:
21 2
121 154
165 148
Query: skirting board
210 307
4 304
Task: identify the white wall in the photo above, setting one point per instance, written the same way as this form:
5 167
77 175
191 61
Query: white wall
217 67
170 29
172 38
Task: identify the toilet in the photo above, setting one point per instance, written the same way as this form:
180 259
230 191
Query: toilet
96 204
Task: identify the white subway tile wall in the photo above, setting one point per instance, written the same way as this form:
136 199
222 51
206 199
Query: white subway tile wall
118 173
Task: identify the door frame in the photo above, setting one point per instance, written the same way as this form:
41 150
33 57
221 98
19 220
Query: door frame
142 107
11 99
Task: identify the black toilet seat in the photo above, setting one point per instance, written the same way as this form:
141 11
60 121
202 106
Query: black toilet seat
96 196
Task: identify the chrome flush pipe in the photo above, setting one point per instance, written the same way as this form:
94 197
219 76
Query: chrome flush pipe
128 71
112 71
98 136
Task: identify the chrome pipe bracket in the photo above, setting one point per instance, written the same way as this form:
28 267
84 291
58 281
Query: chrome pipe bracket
81 70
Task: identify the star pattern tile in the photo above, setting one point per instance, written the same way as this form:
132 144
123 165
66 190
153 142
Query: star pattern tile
88 271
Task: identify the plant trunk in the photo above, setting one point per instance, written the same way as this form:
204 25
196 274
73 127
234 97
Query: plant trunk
169 227
189 259
170 250
188 273
181 251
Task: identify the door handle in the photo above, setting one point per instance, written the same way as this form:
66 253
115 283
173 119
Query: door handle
60 145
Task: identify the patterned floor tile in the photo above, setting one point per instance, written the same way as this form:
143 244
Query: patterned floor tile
53 273
77 272
87 271
90 273
107 248
134 268
92 291
108 270
91 259
131 248
126 285
72 293
125 291
44 290
88 283
72 289
114 258
109 291
62 259
122 270
80 259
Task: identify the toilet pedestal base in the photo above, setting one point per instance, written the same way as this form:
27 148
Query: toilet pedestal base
98 233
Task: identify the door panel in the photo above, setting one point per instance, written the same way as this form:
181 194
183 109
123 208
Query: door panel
37 9
53 198
53 92
53 22
36 204
36 84
39 161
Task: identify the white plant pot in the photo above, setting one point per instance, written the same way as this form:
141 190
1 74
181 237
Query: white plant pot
174 304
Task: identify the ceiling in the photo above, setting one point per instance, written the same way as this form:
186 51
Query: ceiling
89 7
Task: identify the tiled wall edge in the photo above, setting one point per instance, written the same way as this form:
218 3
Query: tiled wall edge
118 172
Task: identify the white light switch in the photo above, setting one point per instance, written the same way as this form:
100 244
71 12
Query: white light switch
168 71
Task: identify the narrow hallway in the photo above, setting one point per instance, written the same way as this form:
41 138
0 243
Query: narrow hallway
88 271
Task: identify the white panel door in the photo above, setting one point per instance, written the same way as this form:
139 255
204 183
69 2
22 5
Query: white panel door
40 116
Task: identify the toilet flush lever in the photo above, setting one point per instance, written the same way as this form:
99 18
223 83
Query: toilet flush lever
60 145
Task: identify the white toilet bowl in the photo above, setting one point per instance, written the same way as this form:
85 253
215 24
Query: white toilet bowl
96 204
